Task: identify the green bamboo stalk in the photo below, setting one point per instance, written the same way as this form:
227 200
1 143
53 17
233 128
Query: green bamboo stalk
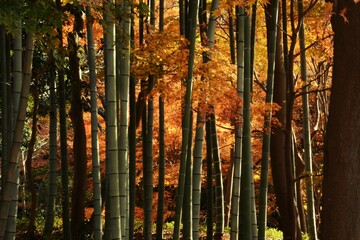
209 181
235 199
112 171
188 198
197 171
161 187
246 207
148 165
132 156
63 139
4 107
50 214
186 119
161 161
306 131
94 128
272 17
16 89
124 117
219 192
10 189
199 134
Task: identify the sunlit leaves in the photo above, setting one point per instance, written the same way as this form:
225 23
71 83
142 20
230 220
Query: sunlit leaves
161 54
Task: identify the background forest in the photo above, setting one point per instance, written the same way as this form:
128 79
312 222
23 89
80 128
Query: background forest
191 119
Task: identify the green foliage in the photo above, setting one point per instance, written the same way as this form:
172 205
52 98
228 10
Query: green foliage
38 17
273 234
143 9
276 234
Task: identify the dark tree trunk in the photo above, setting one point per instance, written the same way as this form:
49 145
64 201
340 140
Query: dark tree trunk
280 161
209 180
79 142
341 205
28 163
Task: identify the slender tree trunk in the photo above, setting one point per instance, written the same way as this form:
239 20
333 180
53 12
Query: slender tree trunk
186 119
219 189
112 170
271 23
79 142
9 191
14 105
288 209
197 172
235 200
4 106
50 211
28 162
132 156
188 198
161 187
94 129
199 137
339 219
247 163
63 141
148 164
306 133
148 167
209 183
228 185
124 118
281 160
161 161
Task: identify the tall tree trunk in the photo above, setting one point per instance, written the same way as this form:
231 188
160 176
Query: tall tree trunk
161 161
199 139
132 156
219 189
63 140
340 214
112 166
94 129
207 40
271 25
186 119
235 200
188 198
161 187
148 167
28 162
306 132
50 211
16 89
148 159
4 106
197 172
247 163
9 191
79 142
209 183
281 168
124 118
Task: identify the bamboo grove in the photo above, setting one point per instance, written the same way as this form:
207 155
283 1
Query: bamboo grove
205 114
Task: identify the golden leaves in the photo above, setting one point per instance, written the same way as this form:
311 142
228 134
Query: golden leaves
161 53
